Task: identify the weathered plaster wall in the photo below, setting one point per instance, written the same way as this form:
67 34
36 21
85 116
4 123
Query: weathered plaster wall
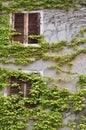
59 25
63 25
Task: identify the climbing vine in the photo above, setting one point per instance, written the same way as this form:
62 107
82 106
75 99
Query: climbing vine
35 4
52 105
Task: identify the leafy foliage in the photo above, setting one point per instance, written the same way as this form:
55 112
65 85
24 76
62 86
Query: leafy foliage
51 105
36 4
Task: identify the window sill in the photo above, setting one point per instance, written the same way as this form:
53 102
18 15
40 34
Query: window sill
34 45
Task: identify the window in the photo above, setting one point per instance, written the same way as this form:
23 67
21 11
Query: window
26 24
17 86
22 88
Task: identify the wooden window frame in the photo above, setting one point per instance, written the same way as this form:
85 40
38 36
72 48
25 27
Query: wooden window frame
25 41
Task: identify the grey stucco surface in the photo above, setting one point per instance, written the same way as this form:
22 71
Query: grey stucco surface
59 25
63 25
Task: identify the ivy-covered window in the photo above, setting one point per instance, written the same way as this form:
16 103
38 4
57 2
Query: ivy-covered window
18 86
26 24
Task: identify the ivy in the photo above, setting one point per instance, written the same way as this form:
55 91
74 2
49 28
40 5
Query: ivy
81 83
13 114
51 105
33 5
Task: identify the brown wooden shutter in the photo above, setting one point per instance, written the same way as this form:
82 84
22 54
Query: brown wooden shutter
16 90
28 87
29 105
19 27
33 26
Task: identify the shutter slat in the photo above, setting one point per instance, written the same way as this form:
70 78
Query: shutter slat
19 27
